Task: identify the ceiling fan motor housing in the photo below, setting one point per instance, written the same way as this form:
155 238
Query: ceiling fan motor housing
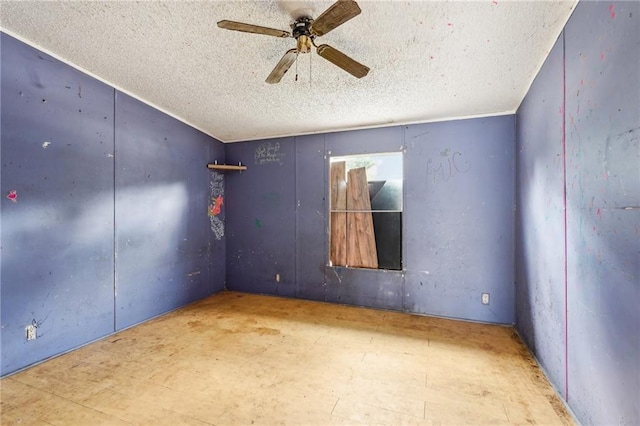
301 30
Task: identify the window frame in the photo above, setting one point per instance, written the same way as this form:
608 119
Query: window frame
371 211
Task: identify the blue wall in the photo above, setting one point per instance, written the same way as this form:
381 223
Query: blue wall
167 254
585 103
458 222
99 176
112 198
540 301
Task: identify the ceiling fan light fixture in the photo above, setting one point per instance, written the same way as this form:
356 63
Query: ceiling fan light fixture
304 44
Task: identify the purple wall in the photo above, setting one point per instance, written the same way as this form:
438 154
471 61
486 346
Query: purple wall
585 103
96 174
458 228
57 238
167 254
540 289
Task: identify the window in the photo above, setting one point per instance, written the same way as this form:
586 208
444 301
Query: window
366 211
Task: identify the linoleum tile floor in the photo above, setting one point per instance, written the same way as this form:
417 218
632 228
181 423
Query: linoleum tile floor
241 359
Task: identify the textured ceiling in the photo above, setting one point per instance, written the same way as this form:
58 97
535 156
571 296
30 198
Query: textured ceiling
429 60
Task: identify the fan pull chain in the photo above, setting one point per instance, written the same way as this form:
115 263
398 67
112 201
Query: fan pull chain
297 54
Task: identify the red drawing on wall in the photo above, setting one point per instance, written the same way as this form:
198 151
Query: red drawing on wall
13 195
217 205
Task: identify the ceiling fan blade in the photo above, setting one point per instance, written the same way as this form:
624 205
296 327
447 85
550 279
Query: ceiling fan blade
338 58
283 66
255 29
339 13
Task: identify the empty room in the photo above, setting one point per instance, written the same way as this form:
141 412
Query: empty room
320 212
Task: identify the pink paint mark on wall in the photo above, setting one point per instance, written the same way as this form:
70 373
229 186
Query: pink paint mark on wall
494 2
449 24
605 175
217 206
13 196
599 213
612 11
602 56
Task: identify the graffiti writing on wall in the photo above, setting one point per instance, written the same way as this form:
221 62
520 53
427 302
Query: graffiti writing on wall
216 187
269 152
449 164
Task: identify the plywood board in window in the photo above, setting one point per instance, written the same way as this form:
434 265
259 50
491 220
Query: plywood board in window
338 237
361 242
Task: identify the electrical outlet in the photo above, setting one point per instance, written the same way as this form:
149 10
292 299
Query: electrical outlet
30 331
277 278
485 298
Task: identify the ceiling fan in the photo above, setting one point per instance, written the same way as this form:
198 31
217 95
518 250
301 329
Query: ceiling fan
305 30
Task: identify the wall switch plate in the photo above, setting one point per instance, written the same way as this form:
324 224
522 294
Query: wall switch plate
31 332
277 278
485 298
